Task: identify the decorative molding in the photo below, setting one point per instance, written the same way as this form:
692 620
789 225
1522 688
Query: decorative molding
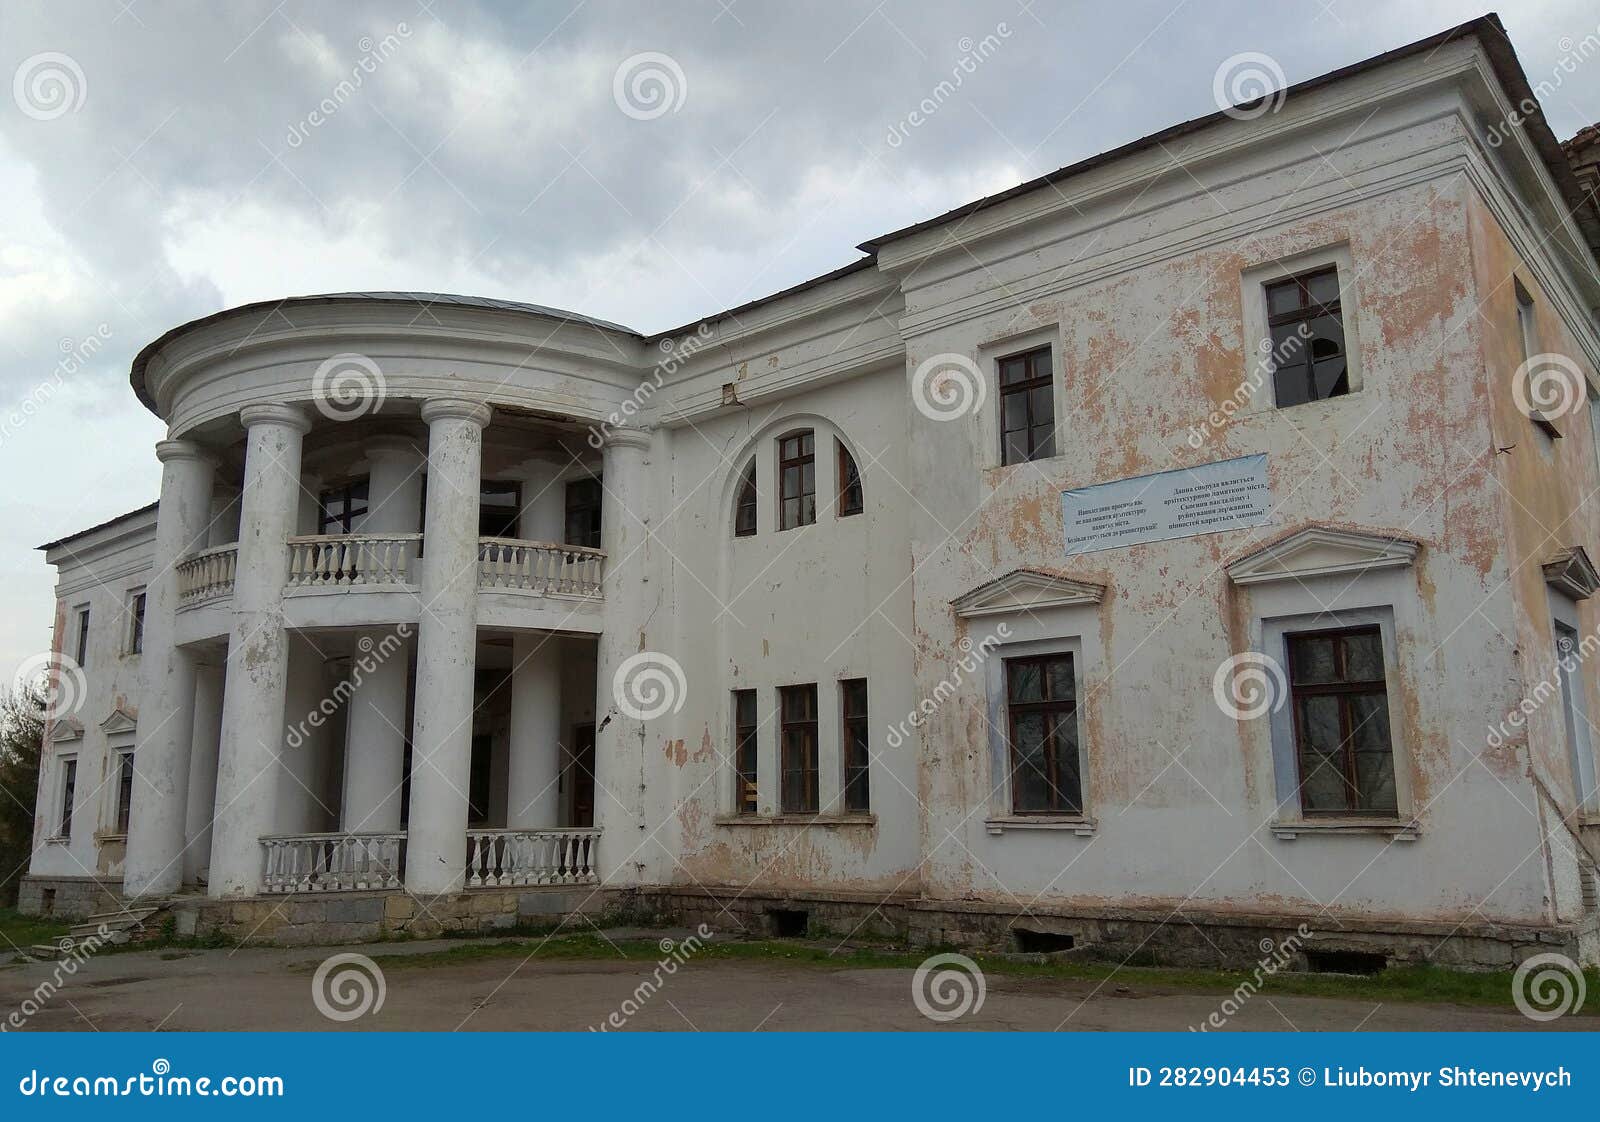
1571 572
1322 551
120 722
1025 590
65 731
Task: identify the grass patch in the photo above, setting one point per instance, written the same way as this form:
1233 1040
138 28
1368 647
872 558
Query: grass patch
1434 984
19 932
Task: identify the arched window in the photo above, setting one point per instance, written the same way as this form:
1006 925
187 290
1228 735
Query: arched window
797 480
744 509
851 498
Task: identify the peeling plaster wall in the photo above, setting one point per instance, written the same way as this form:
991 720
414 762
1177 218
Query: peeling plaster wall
1181 794
99 570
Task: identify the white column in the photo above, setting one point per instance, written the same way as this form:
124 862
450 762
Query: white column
394 485
376 739
203 771
166 712
375 752
258 649
441 740
619 739
532 779
544 503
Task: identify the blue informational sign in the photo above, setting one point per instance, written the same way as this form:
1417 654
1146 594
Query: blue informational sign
1226 495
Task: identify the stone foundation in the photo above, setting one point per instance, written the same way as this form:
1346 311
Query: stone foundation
311 919
68 897
1149 937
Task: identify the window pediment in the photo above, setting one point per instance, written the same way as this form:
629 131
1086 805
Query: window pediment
1023 590
120 721
1572 572
65 731
1321 551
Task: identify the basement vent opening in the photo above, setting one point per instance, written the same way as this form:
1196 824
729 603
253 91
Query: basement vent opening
1040 942
788 923
1346 962
47 904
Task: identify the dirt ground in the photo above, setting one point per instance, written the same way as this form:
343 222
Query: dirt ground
272 990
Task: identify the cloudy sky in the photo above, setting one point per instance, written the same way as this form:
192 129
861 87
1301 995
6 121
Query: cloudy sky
162 160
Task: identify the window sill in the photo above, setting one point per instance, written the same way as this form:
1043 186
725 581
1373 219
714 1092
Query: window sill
1394 828
797 820
59 839
1083 827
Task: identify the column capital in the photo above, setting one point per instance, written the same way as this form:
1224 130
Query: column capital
440 408
275 414
626 438
183 450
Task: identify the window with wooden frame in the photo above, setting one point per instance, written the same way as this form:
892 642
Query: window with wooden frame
1042 730
1341 723
136 604
69 794
853 706
797 715
744 505
343 509
852 500
1027 407
583 512
746 795
125 775
1306 322
797 480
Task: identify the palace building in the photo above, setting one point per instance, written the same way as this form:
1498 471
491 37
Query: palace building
1187 548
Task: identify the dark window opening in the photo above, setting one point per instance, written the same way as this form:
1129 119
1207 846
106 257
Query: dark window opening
1306 322
499 504
788 923
343 509
47 902
1346 962
1027 407
136 627
478 781
83 636
797 480
583 513
1341 722
1042 719
1040 942
853 699
852 500
744 511
746 798
798 715
124 792
69 792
